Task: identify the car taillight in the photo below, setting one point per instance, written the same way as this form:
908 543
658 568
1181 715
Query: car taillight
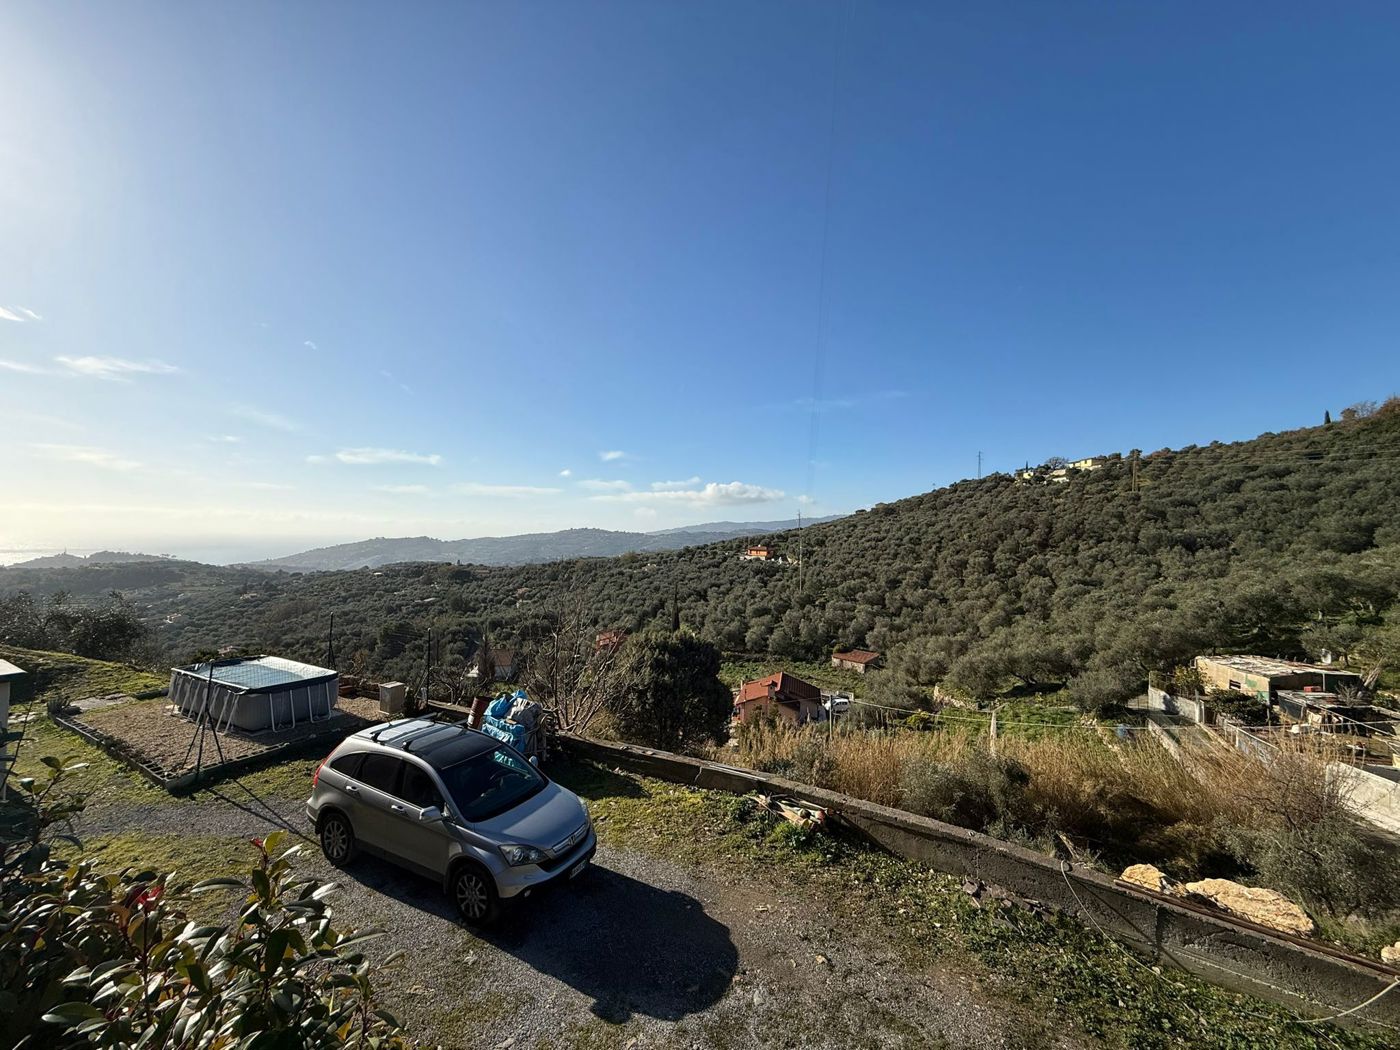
316 776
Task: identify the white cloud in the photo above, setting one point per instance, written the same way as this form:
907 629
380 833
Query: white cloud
310 345
22 366
612 456
805 500
599 485
476 488
715 494
667 486
113 367
224 439
95 457
7 315
403 490
262 418
29 313
644 512
369 457
566 473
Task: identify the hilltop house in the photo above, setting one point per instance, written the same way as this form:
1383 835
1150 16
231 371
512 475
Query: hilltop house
758 553
1060 472
781 696
1261 676
857 660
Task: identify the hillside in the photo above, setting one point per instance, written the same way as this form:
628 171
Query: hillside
1285 544
513 550
76 561
745 528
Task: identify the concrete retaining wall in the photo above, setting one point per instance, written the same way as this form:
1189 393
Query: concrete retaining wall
1311 979
1180 706
1372 797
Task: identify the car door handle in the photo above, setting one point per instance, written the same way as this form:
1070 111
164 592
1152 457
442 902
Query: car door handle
353 789
397 808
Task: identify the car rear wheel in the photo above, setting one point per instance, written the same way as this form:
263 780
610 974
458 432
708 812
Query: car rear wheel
473 890
337 839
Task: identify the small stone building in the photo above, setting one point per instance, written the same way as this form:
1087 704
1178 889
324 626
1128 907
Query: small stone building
1262 676
857 660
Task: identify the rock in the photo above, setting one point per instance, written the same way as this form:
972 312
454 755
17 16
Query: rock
1148 876
1391 954
1266 907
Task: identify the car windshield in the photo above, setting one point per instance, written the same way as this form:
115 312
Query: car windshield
490 783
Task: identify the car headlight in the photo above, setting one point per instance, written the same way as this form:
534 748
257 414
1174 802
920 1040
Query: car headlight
516 854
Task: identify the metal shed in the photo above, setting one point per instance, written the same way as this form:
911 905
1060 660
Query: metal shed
255 693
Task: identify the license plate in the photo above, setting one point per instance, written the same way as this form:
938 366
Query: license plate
578 868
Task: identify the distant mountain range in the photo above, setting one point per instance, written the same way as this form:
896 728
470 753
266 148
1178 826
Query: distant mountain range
76 561
519 550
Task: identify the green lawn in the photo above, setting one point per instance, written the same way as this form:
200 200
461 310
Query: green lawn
103 778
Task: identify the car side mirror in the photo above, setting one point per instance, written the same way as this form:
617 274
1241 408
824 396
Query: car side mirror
535 761
431 814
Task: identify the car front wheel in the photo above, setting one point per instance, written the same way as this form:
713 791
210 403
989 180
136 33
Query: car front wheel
337 840
474 893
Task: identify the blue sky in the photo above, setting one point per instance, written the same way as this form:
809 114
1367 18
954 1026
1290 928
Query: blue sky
274 275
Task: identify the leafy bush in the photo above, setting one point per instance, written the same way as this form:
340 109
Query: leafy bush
114 959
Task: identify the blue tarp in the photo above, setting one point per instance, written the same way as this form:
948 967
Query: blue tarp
494 723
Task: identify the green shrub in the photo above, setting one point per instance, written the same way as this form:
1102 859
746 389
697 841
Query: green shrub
977 790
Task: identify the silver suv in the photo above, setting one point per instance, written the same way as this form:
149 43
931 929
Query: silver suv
453 804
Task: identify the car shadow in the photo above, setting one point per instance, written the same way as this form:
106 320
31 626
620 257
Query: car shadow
631 947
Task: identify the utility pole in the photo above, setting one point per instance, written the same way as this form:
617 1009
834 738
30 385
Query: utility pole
428 669
1134 464
330 644
979 464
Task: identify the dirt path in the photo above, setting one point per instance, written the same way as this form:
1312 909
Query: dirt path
639 952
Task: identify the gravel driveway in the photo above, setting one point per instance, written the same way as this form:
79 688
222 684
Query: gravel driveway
638 952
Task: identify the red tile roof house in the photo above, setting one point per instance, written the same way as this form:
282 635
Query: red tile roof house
780 696
857 660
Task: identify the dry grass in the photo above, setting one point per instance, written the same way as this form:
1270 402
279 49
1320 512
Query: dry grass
1220 812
